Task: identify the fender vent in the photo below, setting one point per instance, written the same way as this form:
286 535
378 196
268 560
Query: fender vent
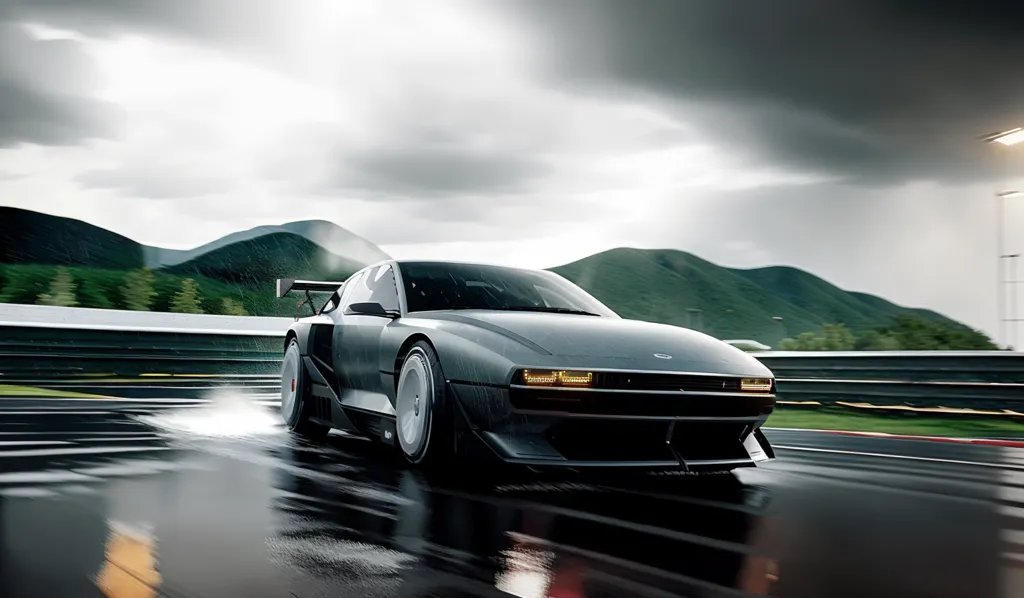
320 403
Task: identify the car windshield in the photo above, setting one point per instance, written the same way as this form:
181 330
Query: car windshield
434 286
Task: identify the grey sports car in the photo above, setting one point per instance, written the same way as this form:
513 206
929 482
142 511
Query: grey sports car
447 359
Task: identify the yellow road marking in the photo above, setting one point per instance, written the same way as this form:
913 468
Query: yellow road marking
8 390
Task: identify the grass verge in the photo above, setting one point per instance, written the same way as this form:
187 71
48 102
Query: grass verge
960 426
10 390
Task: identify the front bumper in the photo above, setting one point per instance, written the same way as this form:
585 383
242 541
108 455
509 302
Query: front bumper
691 432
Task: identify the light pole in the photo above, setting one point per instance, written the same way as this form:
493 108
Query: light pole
1013 298
1001 242
1006 138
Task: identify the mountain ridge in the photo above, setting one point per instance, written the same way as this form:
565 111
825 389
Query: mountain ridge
258 261
679 288
27 237
662 285
333 238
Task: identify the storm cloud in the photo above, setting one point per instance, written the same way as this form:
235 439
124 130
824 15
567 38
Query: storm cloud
871 89
45 92
838 136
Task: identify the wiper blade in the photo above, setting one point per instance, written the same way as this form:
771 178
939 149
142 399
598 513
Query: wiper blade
545 309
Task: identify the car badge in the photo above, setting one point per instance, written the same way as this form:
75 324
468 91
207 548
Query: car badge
662 356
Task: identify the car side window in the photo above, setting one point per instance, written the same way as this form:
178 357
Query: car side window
333 302
345 299
376 285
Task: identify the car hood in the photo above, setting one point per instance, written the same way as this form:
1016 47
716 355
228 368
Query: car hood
614 343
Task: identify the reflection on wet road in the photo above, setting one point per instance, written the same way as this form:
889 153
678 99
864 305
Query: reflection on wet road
216 500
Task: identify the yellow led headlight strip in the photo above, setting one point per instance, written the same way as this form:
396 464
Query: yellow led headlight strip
756 385
557 378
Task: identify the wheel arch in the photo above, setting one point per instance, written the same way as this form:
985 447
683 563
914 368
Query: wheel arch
404 349
300 332
461 358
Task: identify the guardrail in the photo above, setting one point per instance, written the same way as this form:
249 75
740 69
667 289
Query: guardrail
948 366
60 342
112 320
978 380
53 342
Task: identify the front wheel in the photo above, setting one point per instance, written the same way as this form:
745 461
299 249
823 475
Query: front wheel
294 390
422 422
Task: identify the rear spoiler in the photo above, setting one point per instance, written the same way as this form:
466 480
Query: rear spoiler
287 285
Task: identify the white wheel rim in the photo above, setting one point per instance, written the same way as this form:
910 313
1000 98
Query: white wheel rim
289 385
415 390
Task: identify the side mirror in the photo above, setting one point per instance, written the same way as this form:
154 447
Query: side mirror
369 308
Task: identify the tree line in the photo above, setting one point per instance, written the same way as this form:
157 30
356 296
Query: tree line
905 333
137 290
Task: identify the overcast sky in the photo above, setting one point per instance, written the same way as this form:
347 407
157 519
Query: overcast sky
839 137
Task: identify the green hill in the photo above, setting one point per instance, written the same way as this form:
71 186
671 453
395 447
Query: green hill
678 288
656 285
328 235
256 263
28 237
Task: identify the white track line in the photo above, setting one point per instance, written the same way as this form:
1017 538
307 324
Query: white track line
33 443
904 457
1004 442
81 451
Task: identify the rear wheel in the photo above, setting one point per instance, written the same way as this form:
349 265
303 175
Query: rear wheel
422 422
294 391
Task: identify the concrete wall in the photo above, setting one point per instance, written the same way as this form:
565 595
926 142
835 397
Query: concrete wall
45 316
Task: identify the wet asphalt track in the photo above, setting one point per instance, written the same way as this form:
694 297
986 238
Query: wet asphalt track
186 497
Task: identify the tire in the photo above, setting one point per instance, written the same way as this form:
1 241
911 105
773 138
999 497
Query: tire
294 391
422 420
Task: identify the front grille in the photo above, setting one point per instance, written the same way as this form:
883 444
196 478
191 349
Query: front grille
639 404
709 440
596 440
669 382
610 441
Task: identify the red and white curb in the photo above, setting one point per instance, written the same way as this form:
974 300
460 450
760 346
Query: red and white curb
979 441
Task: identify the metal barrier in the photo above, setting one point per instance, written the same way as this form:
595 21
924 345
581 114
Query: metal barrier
60 342
43 352
977 380
68 343
949 366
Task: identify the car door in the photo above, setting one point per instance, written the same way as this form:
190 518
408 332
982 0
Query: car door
357 339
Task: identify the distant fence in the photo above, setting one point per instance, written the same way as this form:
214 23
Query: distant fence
48 342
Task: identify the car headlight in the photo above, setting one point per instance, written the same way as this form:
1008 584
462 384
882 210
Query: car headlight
556 378
756 385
